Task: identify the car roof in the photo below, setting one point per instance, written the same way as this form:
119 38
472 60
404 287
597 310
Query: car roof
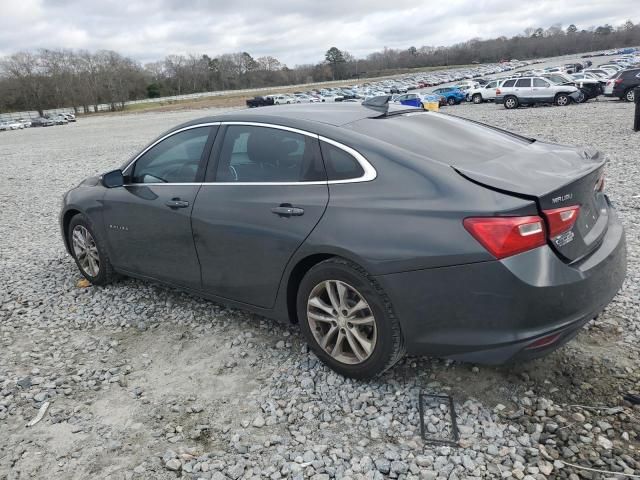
335 114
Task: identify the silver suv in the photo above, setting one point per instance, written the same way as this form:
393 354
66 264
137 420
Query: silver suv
529 90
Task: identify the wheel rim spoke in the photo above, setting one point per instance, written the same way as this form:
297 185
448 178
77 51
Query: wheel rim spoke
317 302
333 295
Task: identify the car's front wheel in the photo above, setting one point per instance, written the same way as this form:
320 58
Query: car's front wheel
562 100
477 98
348 320
88 252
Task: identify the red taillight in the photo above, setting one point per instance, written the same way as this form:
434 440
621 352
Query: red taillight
506 236
498 92
618 81
543 342
561 219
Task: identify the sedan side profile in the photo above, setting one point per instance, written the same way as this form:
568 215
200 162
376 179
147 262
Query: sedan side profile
380 231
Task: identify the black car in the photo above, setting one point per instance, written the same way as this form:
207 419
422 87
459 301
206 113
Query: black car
381 230
259 102
621 85
42 122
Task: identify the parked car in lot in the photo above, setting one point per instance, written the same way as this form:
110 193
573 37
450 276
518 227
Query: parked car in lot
58 119
11 125
531 90
42 122
419 100
453 95
259 101
70 117
379 233
622 84
590 88
25 122
486 93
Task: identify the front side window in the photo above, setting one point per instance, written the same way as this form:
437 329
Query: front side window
492 85
175 159
265 155
340 164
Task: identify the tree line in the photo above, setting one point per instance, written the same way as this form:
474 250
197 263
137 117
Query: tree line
53 78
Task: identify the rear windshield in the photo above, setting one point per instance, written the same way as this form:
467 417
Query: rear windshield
444 138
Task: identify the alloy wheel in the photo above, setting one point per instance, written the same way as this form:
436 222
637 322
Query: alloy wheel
562 100
510 103
86 251
631 96
342 322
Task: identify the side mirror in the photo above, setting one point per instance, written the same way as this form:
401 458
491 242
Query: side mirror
113 179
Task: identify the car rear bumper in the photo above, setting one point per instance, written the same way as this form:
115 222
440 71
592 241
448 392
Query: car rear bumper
492 312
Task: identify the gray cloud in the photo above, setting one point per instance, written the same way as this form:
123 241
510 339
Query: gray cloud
294 31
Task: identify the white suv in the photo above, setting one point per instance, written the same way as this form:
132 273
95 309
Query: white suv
529 90
484 93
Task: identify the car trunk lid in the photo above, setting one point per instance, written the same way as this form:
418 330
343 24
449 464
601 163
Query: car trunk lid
556 177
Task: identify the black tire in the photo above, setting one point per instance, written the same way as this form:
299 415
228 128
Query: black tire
422 105
510 102
562 100
451 101
630 95
477 98
105 274
389 345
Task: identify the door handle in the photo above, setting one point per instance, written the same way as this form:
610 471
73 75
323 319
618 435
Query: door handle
287 210
177 203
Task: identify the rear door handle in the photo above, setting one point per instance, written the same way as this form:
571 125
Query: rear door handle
177 203
286 210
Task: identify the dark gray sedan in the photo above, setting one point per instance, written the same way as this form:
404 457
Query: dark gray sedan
381 232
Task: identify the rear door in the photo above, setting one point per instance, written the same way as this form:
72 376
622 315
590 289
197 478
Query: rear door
265 191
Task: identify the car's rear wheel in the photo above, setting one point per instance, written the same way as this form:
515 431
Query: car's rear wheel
477 98
348 320
629 95
562 100
511 102
88 252
451 101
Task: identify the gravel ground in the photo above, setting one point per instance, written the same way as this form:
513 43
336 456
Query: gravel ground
147 382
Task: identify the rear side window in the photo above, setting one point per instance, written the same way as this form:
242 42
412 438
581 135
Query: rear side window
265 155
340 165
509 83
523 82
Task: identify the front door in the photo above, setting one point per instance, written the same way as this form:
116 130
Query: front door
148 220
266 190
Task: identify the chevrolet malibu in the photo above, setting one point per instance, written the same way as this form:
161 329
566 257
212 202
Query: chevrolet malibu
381 232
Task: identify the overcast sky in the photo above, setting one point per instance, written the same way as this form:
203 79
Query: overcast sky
294 31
